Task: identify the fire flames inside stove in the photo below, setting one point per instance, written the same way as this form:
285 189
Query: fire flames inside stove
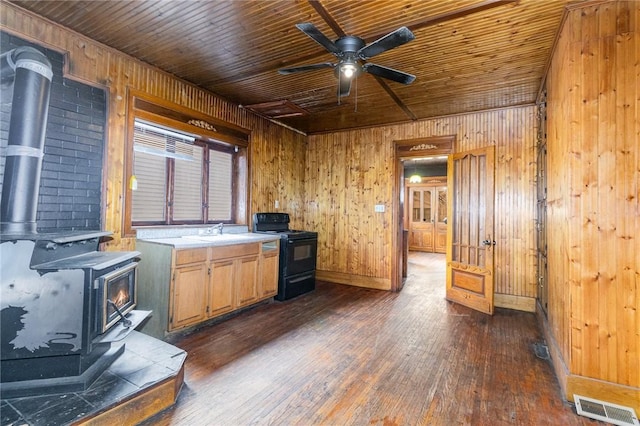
119 296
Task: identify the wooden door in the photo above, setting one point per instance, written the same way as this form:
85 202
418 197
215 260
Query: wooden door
189 295
421 224
471 239
269 272
246 280
221 287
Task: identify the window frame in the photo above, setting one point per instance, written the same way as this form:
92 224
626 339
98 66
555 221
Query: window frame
210 134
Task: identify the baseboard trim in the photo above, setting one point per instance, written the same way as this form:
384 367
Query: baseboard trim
604 391
354 280
591 388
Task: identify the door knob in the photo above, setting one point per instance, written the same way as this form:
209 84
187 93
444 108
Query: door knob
488 243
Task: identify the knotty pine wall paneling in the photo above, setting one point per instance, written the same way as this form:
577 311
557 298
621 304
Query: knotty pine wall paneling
349 172
277 171
593 202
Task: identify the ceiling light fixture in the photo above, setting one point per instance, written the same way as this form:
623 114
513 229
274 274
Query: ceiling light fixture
348 69
415 177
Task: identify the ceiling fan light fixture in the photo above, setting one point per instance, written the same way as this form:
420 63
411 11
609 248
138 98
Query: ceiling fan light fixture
348 69
415 179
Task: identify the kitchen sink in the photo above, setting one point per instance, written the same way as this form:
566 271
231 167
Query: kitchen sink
219 237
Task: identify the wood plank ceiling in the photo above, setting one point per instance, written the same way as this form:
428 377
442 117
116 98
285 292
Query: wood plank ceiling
468 55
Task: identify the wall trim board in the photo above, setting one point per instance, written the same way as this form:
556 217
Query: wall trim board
604 391
519 303
571 384
354 280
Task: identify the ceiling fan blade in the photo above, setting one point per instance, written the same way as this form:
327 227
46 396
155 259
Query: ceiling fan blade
389 73
302 68
394 39
310 30
345 86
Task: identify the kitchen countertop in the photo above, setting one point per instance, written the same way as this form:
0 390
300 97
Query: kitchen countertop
195 241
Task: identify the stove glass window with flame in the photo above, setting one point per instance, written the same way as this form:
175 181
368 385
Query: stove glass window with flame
118 295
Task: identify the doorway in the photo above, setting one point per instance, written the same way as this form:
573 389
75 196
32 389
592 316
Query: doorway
418 200
425 219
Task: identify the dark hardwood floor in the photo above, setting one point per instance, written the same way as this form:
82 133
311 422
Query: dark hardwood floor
351 356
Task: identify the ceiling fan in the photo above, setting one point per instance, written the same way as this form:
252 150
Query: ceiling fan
352 53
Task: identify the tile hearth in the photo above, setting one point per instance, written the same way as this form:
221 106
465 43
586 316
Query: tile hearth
148 368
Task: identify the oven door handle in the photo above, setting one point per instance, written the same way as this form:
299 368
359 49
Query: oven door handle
301 278
302 240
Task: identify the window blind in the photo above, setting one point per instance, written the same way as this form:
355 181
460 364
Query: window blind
156 140
149 200
220 185
187 188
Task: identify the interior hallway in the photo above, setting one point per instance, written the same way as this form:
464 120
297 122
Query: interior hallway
344 355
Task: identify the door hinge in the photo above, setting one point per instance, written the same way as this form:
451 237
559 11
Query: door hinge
209 270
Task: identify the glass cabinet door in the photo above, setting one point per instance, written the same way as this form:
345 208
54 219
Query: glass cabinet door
442 204
426 205
415 206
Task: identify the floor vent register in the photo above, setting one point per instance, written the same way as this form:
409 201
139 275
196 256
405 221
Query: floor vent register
605 411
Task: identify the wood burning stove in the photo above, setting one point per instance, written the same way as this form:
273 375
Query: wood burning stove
57 323
62 301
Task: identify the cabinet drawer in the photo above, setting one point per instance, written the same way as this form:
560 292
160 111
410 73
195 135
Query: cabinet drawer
237 250
191 256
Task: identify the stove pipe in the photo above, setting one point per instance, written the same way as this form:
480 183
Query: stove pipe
25 148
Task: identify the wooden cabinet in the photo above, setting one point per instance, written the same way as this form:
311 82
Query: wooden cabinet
184 287
221 287
428 216
234 268
188 295
268 274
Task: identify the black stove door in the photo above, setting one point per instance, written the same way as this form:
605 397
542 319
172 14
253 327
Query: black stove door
299 256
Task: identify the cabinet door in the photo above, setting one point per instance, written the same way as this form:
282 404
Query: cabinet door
221 287
188 295
246 280
421 226
269 273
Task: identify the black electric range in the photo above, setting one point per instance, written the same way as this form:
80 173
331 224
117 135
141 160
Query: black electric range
298 251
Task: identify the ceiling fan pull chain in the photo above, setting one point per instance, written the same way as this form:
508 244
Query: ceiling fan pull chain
355 104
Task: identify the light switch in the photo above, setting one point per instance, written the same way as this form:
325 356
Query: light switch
379 208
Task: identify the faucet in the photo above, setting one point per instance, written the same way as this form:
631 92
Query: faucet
217 229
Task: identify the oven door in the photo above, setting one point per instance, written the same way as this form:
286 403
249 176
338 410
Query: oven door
299 256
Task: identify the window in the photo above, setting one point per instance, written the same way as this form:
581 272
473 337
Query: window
179 179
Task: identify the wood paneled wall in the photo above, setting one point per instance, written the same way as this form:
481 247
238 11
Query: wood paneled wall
593 202
348 173
275 152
